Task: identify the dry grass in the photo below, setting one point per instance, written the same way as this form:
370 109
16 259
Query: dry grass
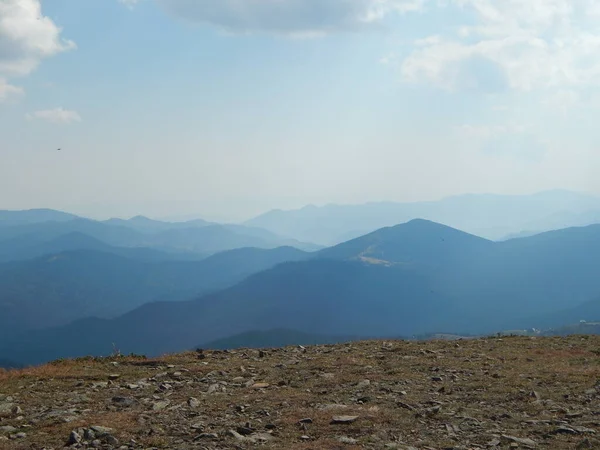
486 388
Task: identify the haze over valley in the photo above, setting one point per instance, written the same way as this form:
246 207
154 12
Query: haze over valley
151 287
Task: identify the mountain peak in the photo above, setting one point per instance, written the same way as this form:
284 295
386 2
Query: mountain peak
141 219
416 241
31 216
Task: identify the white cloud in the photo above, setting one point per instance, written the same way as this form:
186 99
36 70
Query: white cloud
56 115
26 38
129 3
521 45
289 17
8 91
563 101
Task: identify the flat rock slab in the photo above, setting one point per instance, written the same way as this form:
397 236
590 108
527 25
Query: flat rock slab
343 419
526 442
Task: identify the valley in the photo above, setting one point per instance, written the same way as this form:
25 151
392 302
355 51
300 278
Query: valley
419 278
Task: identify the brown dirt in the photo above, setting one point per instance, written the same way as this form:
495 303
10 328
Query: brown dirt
514 392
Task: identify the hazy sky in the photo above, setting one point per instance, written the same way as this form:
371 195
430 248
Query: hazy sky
227 108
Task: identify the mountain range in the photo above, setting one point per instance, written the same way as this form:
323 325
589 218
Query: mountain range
494 217
71 286
24 238
56 289
411 279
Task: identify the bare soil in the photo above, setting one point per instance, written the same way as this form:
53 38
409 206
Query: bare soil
513 392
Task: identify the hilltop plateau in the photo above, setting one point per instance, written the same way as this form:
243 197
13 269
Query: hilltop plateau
493 393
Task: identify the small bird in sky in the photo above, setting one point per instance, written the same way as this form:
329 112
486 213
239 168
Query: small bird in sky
58 149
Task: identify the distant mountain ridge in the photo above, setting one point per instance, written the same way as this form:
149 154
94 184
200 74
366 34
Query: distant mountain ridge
8 217
28 247
196 237
418 278
324 294
144 224
56 289
486 215
303 296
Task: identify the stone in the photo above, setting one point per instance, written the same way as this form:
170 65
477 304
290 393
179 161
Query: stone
260 385
347 440
99 430
565 430
343 419
363 384
7 429
530 443
123 401
110 439
89 435
193 402
306 420
6 409
236 435
208 436
586 443
254 438
160 405
244 431
74 438
114 376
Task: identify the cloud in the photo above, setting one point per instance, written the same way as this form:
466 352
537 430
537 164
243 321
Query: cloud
522 45
289 17
26 38
129 3
56 115
8 91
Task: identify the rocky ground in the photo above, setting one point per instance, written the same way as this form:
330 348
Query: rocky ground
469 394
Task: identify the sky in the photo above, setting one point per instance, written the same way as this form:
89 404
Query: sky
224 109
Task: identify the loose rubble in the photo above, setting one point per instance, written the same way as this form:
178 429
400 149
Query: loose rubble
509 393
